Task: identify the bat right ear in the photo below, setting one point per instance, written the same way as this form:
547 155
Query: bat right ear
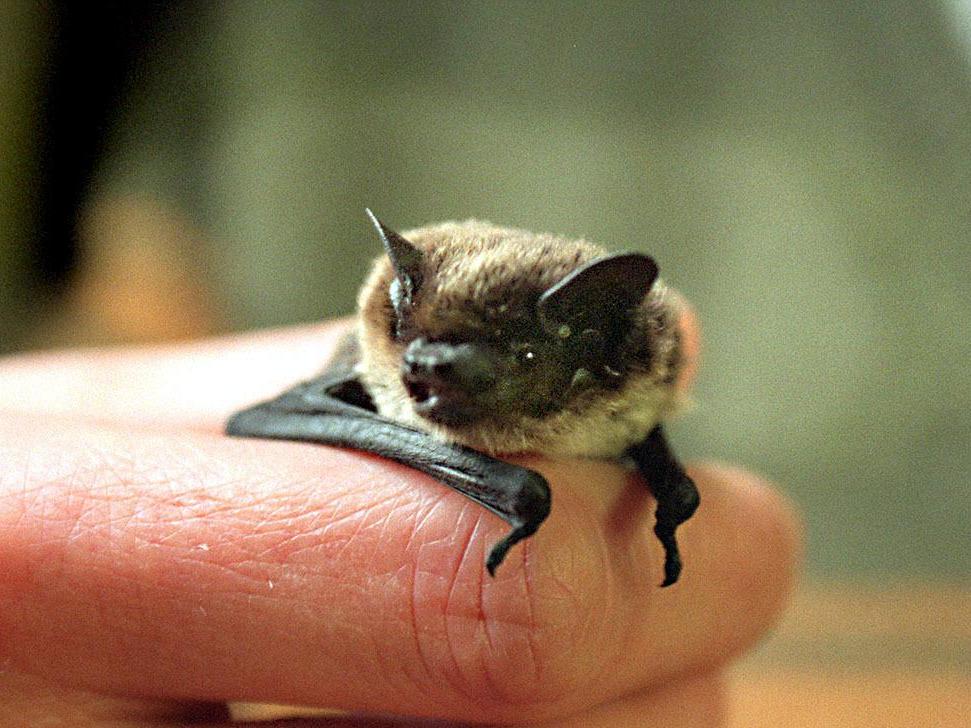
406 259
599 297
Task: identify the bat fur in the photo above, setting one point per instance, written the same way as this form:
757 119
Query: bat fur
475 340
478 276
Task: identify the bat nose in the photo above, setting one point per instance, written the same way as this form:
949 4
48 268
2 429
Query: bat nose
460 368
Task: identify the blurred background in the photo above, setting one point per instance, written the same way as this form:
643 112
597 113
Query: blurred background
802 171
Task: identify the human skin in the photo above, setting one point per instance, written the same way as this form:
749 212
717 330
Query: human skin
152 569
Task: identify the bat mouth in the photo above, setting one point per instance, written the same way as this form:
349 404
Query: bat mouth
422 394
418 391
443 405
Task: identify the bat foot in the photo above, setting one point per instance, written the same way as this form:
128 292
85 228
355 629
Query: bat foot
672 557
678 503
683 502
672 569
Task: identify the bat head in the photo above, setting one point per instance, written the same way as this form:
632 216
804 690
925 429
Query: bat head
501 339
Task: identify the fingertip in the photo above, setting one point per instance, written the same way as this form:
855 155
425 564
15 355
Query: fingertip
759 547
768 517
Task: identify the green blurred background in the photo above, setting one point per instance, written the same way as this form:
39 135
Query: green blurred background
802 171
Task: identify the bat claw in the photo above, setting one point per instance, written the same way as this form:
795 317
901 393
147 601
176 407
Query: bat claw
672 569
672 556
496 557
499 551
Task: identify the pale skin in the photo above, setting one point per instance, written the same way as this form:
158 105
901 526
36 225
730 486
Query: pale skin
152 569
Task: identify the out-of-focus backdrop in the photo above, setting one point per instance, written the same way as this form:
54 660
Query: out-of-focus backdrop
802 171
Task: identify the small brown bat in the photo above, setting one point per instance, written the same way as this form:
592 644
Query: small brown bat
475 340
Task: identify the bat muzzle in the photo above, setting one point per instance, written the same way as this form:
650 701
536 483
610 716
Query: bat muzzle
449 383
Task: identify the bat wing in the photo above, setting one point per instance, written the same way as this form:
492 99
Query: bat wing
335 409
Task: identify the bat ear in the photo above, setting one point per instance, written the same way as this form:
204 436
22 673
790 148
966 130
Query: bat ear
598 297
406 259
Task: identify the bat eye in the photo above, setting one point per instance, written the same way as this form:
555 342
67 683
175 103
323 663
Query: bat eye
525 354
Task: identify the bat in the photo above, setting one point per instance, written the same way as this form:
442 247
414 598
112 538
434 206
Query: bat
475 340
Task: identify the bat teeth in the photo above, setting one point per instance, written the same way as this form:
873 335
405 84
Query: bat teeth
427 398
428 404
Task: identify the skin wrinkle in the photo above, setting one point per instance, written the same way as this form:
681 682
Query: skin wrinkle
564 587
103 509
638 539
313 525
188 528
285 512
417 527
598 610
423 520
176 509
138 513
600 578
463 552
67 528
392 667
500 622
601 572
419 645
359 526
393 509
480 592
420 524
431 610
260 523
458 680
369 523
302 545
500 632
531 604
235 575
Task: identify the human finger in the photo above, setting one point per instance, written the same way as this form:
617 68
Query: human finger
196 384
205 568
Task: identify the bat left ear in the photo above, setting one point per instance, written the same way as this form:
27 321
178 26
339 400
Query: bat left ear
406 260
599 296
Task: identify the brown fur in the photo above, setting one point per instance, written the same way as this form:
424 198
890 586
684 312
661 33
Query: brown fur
476 275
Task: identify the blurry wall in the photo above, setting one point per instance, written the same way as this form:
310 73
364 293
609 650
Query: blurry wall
800 170
21 55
